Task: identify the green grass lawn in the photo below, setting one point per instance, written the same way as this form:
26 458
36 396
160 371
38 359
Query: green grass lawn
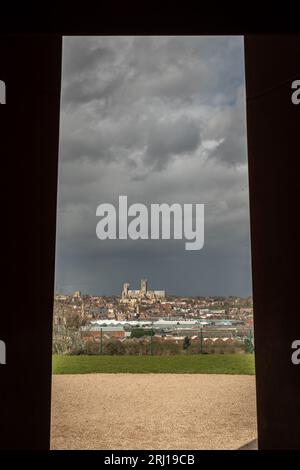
191 364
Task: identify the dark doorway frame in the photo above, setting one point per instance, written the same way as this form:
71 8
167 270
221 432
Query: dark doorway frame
29 123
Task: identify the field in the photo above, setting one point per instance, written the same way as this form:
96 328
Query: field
236 364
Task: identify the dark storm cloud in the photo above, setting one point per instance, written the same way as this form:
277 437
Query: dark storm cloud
160 119
166 139
83 53
78 148
133 87
79 91
231 150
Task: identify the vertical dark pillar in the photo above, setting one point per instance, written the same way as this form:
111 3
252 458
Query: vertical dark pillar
273 122
29 130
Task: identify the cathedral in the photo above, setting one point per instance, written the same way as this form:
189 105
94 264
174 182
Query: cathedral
143 293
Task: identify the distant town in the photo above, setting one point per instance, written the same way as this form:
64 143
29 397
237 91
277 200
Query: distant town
145 321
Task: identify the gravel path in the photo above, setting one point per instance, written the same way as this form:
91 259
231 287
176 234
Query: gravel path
152 411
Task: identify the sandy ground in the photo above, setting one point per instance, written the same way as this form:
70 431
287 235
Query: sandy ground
152 411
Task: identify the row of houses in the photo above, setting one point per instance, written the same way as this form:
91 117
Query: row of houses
118 332
163 323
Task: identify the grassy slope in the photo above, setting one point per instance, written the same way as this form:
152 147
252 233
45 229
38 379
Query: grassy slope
206 364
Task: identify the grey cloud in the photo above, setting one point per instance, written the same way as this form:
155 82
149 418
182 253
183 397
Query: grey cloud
169 68
76 148
229 125
81 57
81 91
171 138
232 150
160 119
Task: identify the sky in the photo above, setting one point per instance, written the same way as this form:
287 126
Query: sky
161 120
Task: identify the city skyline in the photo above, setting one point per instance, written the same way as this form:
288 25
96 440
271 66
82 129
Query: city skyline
81 293
161 119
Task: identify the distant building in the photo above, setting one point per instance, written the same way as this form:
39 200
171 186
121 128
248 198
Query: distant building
95 331
61 297
77 295
143 293
144 286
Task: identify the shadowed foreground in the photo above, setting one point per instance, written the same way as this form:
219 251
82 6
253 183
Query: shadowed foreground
152 411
